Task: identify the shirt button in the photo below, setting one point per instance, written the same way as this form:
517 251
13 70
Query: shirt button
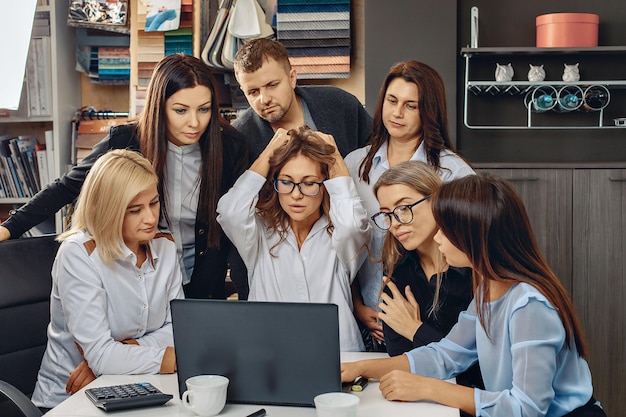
201 231
304 258
12 212
144 305
201 253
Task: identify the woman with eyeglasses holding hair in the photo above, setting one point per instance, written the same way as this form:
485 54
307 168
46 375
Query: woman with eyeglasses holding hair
410 123
297 221
423 295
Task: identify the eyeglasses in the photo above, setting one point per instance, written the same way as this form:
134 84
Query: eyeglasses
308 188
403 214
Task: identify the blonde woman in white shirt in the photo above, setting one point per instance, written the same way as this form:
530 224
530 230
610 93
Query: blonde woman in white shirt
112 282
297 221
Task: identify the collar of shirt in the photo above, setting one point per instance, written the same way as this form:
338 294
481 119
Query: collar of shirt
380 157
308 118
151 256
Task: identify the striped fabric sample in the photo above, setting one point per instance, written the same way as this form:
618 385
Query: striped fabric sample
316 34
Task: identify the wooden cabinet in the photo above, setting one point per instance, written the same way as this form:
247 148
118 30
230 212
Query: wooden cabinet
599 277
65 98
547 195
579 220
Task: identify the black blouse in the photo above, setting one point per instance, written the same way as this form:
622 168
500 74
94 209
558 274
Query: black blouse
455 295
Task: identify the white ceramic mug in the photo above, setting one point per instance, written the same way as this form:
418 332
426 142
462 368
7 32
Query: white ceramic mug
336 404
206 394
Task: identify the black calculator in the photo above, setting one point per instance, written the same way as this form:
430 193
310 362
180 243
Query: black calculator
122 397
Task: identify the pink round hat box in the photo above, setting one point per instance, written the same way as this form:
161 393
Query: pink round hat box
565 30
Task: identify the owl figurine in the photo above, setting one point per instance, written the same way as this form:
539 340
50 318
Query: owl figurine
504 73
571 73
536 73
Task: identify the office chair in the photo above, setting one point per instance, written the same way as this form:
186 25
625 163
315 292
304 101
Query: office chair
14 403
24 308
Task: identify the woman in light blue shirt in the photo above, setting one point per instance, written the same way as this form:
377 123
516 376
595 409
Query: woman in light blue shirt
521 325
112 282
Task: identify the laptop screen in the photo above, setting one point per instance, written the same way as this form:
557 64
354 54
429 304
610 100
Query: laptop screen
273 353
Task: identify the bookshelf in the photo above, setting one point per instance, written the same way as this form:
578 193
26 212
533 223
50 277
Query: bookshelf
65 97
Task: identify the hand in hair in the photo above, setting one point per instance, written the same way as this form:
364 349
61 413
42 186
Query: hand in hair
262 165
339 168
400 313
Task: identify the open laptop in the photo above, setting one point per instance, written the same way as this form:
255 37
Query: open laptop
273 353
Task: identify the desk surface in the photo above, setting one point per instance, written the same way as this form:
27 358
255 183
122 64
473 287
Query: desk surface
372 403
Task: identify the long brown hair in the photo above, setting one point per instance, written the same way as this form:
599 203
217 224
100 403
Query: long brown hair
484 217
303 141
172 74
432 109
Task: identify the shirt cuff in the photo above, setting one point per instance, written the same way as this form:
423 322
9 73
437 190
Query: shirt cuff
411 363
168 363
341 187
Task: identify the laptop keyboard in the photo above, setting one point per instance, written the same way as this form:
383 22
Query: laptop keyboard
122 397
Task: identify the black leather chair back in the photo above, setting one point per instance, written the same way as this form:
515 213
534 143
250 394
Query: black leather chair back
25 284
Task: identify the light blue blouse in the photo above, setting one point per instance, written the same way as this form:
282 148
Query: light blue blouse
182 173
527 369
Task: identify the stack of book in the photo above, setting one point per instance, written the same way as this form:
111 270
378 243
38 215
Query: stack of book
104 56
316 34
113 65
25 166
179 42
91 131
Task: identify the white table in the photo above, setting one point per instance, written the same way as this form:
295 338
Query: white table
372 403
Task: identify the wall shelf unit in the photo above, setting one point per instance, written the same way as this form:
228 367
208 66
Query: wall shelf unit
65 93
482 93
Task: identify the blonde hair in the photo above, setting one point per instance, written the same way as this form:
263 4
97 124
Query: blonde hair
422 178
112 183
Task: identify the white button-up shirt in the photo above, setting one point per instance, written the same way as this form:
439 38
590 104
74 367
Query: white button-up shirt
183 188
96 306
320 271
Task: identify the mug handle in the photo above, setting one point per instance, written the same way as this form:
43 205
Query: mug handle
186 398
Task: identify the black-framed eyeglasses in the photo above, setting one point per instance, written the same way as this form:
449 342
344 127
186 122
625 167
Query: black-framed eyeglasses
403 214
308 188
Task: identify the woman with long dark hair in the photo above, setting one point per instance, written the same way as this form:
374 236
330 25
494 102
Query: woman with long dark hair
196 155
521 325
